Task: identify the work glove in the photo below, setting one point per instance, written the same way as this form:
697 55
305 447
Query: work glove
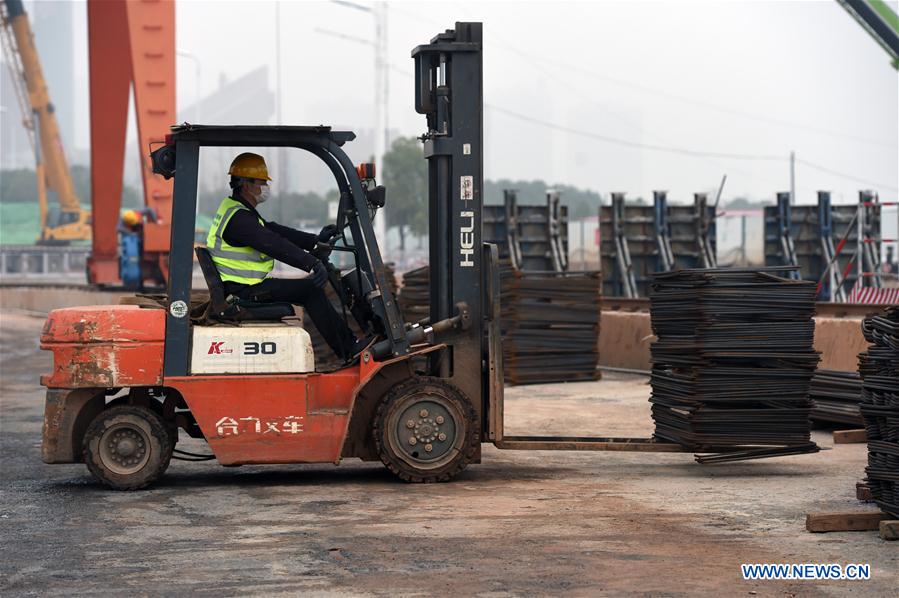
319 274
328 232
321 250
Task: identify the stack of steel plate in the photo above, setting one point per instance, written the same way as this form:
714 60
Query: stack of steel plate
415 296
836 397
549 322
879 369
550 325
733 362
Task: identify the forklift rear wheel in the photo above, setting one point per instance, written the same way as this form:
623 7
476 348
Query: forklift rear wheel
128 447
426 430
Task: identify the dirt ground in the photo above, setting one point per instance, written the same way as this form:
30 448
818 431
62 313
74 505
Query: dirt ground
520 523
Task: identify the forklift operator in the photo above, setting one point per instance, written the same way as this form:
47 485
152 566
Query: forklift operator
244 246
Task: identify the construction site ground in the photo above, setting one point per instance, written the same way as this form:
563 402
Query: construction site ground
518 523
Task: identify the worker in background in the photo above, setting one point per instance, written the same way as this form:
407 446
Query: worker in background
131 246
244 246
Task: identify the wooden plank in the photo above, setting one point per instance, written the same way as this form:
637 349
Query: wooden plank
853 521
849 436
863 492
889 530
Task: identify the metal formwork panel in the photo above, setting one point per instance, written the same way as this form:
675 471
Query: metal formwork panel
496 229
638 226
685 236
534 238
641 226
532 231
638 229
806 228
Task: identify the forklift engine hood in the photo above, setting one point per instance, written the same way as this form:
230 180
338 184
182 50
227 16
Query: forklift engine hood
104 346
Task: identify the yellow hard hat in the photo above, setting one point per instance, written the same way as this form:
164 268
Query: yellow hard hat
249 166
131 218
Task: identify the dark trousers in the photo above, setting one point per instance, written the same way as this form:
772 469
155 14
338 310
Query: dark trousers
301 291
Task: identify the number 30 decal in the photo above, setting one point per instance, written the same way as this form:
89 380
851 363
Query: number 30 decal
267 348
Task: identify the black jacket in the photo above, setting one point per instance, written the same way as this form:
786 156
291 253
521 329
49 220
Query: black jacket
280 242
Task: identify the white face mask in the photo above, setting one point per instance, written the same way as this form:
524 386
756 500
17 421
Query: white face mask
263 195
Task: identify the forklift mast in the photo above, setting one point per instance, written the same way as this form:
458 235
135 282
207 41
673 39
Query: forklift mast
449 92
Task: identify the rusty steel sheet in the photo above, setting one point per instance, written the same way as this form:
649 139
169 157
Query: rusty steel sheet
825 309
415 295
733 362
836 397
879 370
549 322
550 325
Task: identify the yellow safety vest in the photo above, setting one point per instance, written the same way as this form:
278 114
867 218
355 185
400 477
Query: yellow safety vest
236 264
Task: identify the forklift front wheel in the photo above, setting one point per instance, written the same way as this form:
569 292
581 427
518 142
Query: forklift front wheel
426 430
128 447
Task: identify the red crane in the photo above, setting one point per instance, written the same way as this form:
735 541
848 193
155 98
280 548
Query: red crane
131 48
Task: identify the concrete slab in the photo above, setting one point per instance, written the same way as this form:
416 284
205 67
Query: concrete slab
840 341
43 299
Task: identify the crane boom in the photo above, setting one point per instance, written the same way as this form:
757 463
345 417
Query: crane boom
879 20
72 222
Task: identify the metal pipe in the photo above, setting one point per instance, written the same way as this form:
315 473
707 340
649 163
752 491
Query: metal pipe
417 334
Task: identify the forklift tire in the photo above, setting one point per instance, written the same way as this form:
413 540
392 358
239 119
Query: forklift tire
426 430
128 447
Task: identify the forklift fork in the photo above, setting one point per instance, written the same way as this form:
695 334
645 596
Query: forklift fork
495 419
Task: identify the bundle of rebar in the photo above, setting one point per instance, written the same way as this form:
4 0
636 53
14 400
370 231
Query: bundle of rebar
836 397
879 370
414 296
549 322
550 326
733 361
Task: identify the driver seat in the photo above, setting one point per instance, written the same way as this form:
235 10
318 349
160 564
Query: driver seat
231 308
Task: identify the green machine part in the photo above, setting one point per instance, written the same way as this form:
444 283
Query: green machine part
880 21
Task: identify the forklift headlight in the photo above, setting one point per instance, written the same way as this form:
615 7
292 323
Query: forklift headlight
163 161
376 197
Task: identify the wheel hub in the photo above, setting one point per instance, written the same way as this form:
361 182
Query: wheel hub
426 429
124 449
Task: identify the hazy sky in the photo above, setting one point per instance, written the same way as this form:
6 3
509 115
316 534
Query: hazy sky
749 78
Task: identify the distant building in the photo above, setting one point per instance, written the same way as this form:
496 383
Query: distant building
246 100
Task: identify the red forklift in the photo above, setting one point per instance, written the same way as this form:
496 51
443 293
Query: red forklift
127 380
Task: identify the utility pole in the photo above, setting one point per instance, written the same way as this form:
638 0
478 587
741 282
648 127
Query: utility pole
792 178
378 11
279 103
